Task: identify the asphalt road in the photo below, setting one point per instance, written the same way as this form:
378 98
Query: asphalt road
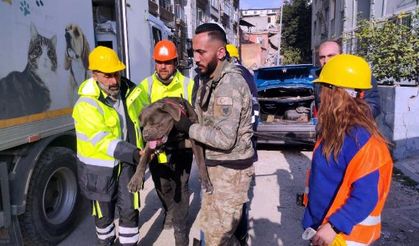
274 217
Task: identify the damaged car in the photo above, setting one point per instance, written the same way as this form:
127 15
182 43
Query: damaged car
287 107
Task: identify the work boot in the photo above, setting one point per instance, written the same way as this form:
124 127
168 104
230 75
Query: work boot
107 242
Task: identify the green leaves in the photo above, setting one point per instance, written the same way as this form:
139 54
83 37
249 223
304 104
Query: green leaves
391 47
296 32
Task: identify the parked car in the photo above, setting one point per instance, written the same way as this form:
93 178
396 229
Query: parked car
287 108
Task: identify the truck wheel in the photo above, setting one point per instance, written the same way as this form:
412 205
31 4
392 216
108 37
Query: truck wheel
53 201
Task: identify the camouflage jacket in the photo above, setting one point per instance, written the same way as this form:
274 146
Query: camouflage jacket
224 107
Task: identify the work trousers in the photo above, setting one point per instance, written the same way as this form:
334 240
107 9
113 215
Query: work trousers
221 211
128 226
171 183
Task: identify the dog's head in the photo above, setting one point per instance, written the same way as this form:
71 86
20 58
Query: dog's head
77 45
158 119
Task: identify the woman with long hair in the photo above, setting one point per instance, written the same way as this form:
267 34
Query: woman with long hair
351 168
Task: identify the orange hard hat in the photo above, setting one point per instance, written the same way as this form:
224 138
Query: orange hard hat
164 50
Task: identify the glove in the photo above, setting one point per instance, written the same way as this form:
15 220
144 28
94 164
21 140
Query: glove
183 124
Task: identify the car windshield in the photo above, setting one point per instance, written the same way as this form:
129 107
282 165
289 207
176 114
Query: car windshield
284 73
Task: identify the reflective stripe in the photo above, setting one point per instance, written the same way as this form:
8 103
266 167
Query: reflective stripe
98 137
256 112
185 88
136 199
150 85
371 221
82 136
107 229
91 102
353 243
253 119
98 210
98 162
306 189
126 240
112 147
128 230
106 236
94 140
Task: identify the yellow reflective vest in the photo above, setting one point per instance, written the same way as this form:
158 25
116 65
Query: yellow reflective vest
98 131
180 86
153 89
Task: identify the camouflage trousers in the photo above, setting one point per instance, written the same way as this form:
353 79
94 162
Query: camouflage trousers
221 211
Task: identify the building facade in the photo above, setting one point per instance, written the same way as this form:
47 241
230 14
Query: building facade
183 16
260 37
335 19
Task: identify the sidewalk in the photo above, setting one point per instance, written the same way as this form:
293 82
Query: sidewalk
409 167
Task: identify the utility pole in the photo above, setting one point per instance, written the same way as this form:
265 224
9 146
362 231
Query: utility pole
280 35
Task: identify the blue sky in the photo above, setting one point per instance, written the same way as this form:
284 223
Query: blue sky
259 4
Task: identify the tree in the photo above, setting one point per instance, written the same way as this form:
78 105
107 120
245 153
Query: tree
296 31
392 47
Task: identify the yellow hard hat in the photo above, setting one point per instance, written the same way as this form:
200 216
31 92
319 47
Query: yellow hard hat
232 50
105 60
348 71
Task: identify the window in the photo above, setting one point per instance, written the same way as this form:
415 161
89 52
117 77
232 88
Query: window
156 35
269 19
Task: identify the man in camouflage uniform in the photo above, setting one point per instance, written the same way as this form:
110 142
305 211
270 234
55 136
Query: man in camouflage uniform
224 108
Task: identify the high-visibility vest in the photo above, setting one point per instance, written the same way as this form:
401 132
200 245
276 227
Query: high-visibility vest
97 147
180 86
98 129
374 155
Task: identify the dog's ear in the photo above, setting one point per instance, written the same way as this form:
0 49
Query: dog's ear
169 108
85 52
143 119
67 60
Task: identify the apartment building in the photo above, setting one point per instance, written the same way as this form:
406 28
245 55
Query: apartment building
183 16
333 19
260 37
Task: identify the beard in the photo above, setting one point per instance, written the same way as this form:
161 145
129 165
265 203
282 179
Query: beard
112 91
206 71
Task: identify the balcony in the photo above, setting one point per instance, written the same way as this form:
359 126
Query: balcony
153 7
166 12
226 10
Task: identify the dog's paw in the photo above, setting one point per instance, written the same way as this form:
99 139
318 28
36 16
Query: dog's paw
135 185
207 187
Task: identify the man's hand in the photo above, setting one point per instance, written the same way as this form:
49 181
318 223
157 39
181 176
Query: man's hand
183 124
324 236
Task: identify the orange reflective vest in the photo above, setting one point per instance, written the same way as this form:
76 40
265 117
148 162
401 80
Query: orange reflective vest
374 155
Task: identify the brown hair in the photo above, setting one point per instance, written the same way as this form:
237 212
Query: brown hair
338 113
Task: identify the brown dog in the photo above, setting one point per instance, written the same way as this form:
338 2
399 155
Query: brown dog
157 121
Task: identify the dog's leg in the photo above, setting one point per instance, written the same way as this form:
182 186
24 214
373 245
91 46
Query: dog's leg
198 151
137 180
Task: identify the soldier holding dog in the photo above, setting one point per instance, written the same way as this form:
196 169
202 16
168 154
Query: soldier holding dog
224 108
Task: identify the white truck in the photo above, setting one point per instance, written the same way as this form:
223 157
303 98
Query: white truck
44 58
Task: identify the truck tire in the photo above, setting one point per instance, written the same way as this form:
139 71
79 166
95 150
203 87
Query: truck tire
53 201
